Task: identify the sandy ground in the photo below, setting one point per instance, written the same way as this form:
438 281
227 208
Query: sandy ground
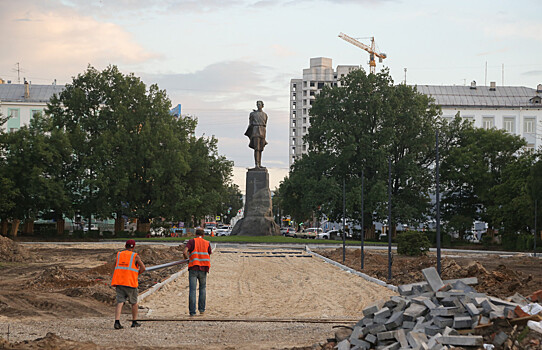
257 283
38 298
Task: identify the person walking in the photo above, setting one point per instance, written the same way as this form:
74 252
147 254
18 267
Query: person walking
198 252
128 267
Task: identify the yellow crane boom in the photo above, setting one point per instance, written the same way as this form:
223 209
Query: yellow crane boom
369 49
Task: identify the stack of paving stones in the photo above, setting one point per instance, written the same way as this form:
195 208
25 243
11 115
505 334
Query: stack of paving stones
430 315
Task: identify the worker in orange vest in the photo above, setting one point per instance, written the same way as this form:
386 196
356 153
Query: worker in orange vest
198 252
128 267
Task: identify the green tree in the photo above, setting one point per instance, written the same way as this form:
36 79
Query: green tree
359 126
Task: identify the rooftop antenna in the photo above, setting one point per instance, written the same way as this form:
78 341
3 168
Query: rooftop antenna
19 71
405 75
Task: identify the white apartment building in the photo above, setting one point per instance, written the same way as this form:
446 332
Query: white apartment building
20 102
516 109
302 94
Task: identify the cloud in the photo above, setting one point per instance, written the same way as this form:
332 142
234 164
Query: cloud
63 42
521 29
487 53
532 72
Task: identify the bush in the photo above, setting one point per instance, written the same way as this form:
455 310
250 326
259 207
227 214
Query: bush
412 243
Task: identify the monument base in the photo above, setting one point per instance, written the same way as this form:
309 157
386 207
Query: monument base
258 215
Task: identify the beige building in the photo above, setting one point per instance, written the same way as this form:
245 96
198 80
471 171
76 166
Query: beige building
302 94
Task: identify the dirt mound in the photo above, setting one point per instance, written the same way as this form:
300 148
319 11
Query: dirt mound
500 281
50 342
155 255
58 277
11 251
100 292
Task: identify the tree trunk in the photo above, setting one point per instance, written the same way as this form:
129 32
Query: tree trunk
14 227
119 223
4 227
60 226
28 227
143 225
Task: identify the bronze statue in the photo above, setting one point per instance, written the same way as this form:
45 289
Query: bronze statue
256 132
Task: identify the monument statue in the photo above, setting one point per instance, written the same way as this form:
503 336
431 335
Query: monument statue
258 214
256 132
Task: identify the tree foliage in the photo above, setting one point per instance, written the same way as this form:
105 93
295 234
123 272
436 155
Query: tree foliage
359 126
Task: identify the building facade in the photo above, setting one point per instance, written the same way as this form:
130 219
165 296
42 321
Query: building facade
515 109
302 94
21 102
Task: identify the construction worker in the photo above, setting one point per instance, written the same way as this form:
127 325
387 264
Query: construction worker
198 251
128 267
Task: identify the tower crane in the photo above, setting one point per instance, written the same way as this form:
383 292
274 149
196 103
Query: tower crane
369 49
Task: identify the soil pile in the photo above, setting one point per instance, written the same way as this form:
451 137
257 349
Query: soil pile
153 256
11 251
50 342
500 282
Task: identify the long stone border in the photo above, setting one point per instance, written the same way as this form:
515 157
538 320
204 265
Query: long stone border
360 274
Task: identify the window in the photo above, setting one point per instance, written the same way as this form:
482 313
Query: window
293 94
304 120
312 84
293 113
320 84
293 104
14 119
488 122
304 147
35 112
304 111
293 132
293 140
312 93
304 84
293 149
529 126
509 124
294 86
304 92
304 129
311 102
304 102
293 123
469 118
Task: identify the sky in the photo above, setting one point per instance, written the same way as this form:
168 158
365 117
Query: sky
218 57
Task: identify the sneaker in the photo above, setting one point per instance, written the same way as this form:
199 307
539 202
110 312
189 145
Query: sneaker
192 315
118 326
201 313
136 324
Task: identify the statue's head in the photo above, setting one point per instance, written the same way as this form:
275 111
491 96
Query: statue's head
259 104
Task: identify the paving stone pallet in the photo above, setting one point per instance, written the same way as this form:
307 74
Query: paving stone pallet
431 315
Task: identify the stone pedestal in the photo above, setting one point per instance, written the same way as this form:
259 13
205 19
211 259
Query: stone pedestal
258 215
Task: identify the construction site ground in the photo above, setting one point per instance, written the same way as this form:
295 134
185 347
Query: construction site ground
57 296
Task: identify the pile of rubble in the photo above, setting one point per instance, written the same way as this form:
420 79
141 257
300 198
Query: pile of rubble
438 315
11 251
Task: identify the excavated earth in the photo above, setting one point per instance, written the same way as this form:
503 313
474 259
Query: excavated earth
57 296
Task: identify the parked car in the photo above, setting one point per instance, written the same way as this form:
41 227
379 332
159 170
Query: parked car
209 231
158 231
92 228
225 231
287 231
310 232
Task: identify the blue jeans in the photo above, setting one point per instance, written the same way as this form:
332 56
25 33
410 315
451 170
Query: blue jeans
193 278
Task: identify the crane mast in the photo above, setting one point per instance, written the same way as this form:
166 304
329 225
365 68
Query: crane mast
370 49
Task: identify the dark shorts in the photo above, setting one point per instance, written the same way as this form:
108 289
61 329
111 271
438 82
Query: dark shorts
126 294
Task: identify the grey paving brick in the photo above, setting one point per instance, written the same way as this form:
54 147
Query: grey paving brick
361 344
498 301
433 340
415 339
460 285
414 311
462 322
408 324
400 335
433 279
471 309
356 333
394 346
343 345
377 329
443 322
370 310
433 330
429 304
488 306
445 311
371 338
462 340
449 331
395 320
496 314
386 335
500 338
382 313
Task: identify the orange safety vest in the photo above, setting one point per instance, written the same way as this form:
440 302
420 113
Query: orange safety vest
126 270
200 255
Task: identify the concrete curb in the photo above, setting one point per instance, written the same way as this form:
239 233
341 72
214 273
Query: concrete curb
360 274
170 279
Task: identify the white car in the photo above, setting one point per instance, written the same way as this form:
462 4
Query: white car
311 232
223 232
92 228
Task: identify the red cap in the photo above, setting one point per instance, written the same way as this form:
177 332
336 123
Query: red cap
130 243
